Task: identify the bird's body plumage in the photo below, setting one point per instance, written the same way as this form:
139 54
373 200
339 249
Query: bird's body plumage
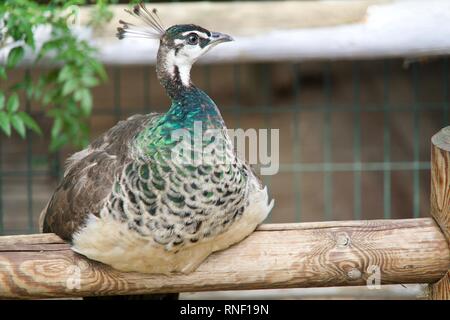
127 202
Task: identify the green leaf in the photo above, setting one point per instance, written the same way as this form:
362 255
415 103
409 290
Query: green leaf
85 98
28 84
5 124
3 73
14 57
65 74
13 103
48 46
19 125
78 94
99 69
89 81
58 142
29 122
69 87
29 38
2 100
48 97
38 88
56 129
70 109
86 103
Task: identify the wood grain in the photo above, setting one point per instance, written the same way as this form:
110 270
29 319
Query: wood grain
275 256
440 200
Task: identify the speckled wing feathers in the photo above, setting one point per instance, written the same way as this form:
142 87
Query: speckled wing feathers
88 178
177 203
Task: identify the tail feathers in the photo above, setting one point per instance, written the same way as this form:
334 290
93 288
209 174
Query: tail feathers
42 218
271 204
266 198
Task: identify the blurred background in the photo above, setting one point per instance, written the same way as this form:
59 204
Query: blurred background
357 89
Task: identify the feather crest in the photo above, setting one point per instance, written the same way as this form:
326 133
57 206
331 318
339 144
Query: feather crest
152 30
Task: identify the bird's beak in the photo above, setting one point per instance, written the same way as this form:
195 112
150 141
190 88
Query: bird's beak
217 37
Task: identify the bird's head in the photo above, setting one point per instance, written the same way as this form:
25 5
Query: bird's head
180 45
188 42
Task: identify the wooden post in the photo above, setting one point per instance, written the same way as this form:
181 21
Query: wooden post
440 200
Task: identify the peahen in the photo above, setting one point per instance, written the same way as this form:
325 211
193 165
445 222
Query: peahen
125 201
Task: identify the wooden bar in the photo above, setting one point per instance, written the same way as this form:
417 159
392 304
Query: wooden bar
320 254
274 31
440 200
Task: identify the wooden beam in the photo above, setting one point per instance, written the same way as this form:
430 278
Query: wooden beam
440 199
274 31
296 30
275 256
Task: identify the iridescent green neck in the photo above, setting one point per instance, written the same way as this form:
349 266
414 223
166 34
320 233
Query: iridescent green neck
190 108
194 105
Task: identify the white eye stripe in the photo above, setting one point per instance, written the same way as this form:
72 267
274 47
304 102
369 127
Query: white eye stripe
199 33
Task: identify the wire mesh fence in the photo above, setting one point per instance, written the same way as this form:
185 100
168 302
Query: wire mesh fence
354 135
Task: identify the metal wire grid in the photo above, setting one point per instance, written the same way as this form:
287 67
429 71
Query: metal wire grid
327 167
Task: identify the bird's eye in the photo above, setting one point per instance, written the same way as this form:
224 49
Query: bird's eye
192 38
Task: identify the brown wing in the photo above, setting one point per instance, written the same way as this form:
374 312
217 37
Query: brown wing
89 176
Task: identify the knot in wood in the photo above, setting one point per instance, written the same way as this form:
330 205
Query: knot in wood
342 240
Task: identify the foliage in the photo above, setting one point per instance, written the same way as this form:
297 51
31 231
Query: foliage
64 91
